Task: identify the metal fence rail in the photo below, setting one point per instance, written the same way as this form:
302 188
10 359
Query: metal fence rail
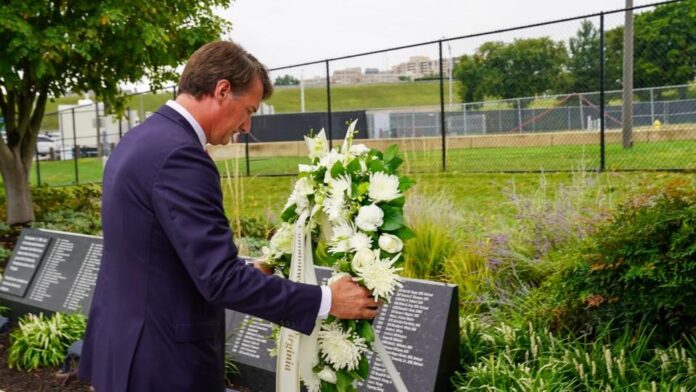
423 98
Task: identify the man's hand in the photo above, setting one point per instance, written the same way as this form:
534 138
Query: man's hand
263 268
351 301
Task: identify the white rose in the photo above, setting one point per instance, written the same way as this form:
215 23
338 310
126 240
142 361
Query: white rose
359 149
390 243
369 218
335 277
328 375
362 256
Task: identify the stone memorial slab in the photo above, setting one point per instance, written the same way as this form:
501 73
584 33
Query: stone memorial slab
51 271
419 328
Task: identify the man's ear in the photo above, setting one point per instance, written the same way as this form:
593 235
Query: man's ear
223 88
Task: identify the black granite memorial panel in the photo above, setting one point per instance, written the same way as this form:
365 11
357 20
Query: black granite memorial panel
419 329
51 271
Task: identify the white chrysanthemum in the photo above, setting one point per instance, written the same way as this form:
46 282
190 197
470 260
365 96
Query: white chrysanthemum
383 187
317 146
339 348
306 168
328 375
369 218
329 159
341 184
381 277
313 384
342 232
300 201
304 186
281 242
334 206
359 149
360 241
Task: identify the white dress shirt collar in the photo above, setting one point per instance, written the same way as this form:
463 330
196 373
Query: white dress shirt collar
196 126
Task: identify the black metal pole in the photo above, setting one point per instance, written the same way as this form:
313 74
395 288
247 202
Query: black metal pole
328 103
246 153
96 123
602 141
128 116
173 92
38 169
442 112
76 151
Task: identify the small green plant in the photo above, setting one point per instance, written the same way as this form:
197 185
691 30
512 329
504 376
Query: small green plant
505 357
640 268
70 220
41 341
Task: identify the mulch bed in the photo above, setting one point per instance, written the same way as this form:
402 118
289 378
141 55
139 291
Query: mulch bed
40 380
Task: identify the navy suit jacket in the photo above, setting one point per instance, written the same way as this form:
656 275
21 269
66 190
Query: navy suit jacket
170 268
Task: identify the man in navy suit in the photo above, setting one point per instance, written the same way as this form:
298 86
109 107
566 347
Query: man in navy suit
170 267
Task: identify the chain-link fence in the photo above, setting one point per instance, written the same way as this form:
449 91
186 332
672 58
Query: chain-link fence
548 96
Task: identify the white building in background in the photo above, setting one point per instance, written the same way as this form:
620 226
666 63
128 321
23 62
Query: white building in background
347 76
421 66
84 130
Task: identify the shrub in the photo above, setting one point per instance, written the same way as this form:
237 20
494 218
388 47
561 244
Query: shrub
41 341
70 220
504 357
640 268
84 198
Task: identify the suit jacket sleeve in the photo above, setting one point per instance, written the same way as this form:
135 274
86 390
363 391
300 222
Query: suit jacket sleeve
187 201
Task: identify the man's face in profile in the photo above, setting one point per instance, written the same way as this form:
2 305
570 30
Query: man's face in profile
234 113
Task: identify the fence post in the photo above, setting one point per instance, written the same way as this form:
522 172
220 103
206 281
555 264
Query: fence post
173 93
602 144
582 113
442 112
96 124
519 116
76 151
246 153
328 102
38 169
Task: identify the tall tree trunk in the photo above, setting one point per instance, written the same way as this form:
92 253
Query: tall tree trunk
15 176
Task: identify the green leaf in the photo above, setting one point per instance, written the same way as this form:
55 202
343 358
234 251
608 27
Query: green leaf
363 369
365 331
393 218
319 175
391 153
289 214
353 166
344 381
405 183
337 169
394 164
405 233
398 202
375 166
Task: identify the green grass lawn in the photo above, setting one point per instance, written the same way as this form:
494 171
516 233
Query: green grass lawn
643 156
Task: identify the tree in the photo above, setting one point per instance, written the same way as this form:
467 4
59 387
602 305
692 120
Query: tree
665 45
286 80
523 68
51 47
583 66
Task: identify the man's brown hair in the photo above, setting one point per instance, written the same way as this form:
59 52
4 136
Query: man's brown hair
222 60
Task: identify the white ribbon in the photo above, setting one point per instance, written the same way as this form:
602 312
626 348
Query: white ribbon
294 346
295 349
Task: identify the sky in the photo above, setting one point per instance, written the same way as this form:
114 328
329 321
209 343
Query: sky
287 32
